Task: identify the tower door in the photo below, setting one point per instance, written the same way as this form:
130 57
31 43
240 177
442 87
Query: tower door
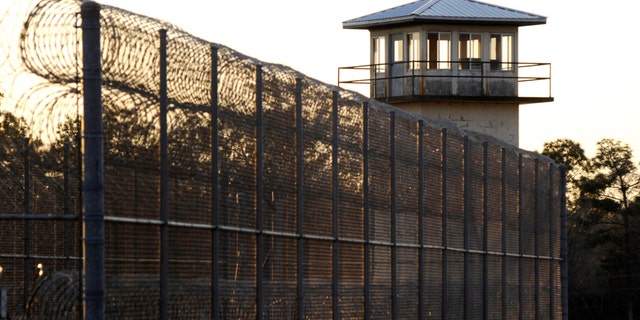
398 65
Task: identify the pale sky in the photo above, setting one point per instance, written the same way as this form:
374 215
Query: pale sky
592 46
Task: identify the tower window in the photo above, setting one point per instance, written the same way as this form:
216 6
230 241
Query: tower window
470 50
398 45
413 49
439 50
501 52
379 54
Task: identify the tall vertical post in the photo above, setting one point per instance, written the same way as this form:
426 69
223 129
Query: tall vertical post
564 267
27 224
67 206
536 237
521 236
503 201
444 212
394 209
215 188
259 195
79 211
421 241
365 210
300 197
93 189
503 196
335 207
164 180
466 221
485 229
552 241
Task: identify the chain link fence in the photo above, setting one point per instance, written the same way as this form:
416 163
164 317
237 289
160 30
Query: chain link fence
274 196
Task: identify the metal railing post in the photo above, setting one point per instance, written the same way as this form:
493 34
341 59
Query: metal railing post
483 80
373 81
550 95
413 79
93 190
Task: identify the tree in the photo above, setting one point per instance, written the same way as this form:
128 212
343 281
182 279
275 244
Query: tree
617 182
14 134
617 178
603 219
571 154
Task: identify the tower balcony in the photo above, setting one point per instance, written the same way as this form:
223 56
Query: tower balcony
459 81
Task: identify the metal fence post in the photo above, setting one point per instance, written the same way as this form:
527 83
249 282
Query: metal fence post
421 242
27 225
215 188
300 198
503 196
564 268
394 206
536 237
365 209
79 212
552 241
4 302
67 205
259 195
93 190
444 222
521 234
335 206
485 230
164 180
466 193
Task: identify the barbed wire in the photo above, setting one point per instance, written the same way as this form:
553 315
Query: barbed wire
45 57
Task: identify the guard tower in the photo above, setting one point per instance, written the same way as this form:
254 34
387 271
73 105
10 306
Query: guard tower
452 59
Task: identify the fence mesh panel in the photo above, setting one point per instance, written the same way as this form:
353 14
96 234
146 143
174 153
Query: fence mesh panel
317 210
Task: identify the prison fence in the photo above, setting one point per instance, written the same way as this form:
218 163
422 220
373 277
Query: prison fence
236 189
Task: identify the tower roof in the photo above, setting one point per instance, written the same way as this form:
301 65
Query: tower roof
445 12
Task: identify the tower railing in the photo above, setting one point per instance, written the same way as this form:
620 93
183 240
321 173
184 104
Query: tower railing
525 82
